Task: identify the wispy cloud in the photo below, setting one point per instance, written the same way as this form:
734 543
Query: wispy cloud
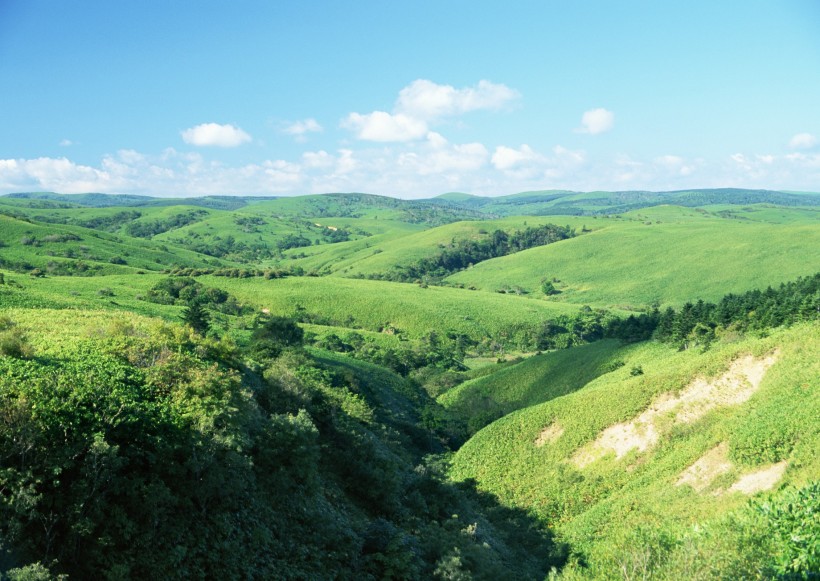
596 121
300 128
803 141
214 134
413 169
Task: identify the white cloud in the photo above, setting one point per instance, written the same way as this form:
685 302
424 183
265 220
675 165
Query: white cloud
674 164
803 141
413 169
214 134
526 164
507 158
317 159
300 128
422 103
385 127
596 121
427 100
436 140
66 143
442 158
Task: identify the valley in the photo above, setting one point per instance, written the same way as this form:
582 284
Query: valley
556 384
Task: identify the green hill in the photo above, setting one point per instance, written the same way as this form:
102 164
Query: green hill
535 380
663 255
562 202
405 309
64 249
643 458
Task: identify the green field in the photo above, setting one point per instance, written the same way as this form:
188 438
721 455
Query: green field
663 256
410 309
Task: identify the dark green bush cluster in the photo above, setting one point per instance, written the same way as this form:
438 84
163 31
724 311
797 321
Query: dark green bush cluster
147 453
698 323
13 340
181 290
151 228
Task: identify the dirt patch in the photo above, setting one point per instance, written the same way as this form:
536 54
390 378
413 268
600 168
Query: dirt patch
734 387
708 467
760 480
549 435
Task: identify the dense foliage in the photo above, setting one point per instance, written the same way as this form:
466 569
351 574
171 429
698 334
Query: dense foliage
150 228
461 254
699 323
338 436
183 290
150 452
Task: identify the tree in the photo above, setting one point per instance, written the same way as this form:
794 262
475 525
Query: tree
197 317
548 288
274 335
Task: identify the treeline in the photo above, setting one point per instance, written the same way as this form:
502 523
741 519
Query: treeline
233 272
108 223
461 254
151 228
701 322
228 248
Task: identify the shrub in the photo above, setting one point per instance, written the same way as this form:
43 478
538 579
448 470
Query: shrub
14 343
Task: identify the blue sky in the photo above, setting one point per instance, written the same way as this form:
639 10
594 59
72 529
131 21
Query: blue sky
408 99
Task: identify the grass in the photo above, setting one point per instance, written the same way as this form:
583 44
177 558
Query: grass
633 263
30 245
371 305
381 254
534 380
599 505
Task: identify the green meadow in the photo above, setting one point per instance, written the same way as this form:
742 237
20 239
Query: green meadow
410 309
665 256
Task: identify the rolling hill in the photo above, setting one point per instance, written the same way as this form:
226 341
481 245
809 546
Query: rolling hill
245 379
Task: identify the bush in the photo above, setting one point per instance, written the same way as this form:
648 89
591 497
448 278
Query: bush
14 343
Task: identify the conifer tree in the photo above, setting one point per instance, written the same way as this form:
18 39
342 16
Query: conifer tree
197 317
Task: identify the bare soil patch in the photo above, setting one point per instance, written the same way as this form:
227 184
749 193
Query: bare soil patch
759 480
549 435
709 466
734 387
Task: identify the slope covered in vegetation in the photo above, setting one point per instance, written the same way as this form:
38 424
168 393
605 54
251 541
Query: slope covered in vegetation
625 486
239 387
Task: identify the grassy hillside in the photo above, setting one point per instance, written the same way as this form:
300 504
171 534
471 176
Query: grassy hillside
661 255
554 460
642 457
380 255
535 380
136 436
73 249
407 308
